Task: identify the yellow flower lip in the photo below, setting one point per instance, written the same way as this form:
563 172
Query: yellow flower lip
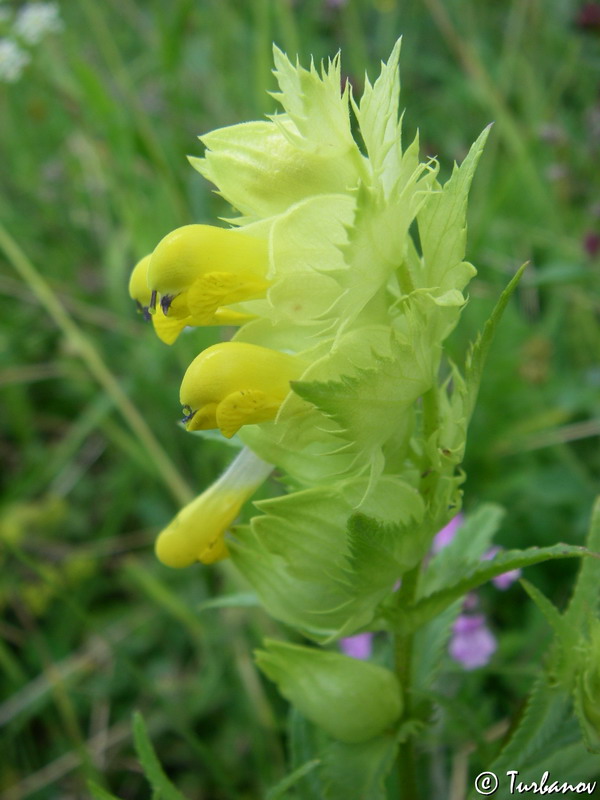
234 384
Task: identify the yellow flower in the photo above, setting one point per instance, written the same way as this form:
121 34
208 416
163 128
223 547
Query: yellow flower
197 270
233 384
138 286
197 532
168 327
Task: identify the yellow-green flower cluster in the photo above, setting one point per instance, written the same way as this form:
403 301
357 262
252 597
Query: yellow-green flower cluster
332 375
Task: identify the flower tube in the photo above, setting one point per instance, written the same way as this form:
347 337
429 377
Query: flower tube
197 532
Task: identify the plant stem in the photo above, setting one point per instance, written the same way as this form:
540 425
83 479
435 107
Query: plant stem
403 662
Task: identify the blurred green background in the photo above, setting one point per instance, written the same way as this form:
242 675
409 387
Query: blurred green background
94 135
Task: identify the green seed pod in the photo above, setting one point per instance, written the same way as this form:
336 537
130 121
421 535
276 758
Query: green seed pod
352 700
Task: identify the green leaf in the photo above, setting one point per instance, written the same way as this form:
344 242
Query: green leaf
478 354
292 779
428 607
548 709
238 600
586 595
306 743
380 554
98 793
565 763
547 738
429 647
153 770
358 771
377 117
442 225
315 103
548 609
587 684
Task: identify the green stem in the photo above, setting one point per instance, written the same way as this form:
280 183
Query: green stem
94 362
406 761
431 412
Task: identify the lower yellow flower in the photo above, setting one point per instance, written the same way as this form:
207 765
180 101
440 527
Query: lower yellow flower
198 270
197 532
234 383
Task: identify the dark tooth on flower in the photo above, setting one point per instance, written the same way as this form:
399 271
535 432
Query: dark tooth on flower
143 310
165 302
152 306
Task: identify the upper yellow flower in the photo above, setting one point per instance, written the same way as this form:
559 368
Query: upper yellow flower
234 383
199 269
138 286
194 273
166 328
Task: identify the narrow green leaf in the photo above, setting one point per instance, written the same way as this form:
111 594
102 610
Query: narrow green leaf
547 710
377 116
358 771
98 793
291 780
153 770
570 763
429 647
435 603
442 224
548 609
586 595
306 742
478 354
237 600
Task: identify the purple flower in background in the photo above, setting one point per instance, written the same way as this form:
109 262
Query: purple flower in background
472 643
588 17
505 580
447 533
591 243
359 646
